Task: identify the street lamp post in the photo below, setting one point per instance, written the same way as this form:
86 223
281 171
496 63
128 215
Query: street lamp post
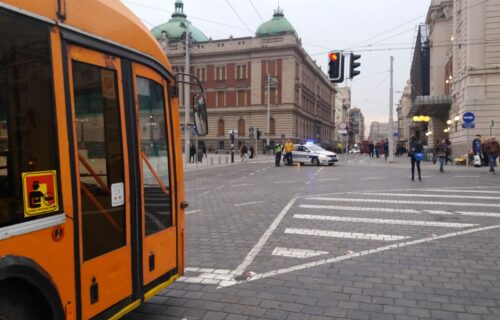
187 96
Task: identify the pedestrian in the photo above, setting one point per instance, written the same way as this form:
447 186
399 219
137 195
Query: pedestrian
244 153
386 149
370 148
448 152
492 149
416 155
278 149
288 160
192 153
477 149
441 151
204 149
252 151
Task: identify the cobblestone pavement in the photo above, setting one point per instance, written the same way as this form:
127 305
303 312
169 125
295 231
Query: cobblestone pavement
358 240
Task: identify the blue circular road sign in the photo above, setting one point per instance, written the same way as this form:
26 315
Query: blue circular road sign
469 117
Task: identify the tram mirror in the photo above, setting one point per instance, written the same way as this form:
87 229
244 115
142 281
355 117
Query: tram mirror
200 114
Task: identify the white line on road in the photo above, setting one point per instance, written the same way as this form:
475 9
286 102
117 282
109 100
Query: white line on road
241 185
438 203
412 211
247 203
431 196
263 239
204 193
219 187
297 253
344 235
251 173
278 182
192 211
334 179
459 191
373 178
349 256
385 221
465 176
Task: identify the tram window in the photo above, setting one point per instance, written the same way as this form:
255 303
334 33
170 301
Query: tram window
100 156
154 151
27 123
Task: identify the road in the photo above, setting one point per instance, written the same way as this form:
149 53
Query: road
358 240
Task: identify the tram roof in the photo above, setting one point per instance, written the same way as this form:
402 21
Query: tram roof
108 19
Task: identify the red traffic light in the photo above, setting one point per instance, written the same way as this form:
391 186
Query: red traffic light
333 56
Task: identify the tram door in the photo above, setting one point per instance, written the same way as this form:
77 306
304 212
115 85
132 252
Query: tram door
102 181
156 162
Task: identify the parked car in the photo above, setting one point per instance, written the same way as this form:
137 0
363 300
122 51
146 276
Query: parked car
313 154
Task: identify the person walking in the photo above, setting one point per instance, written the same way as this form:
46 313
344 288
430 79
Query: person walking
192 153
244 153
370 148
278 149
416 156
476 148
386 149
204 149
288 160
252 151
441 153
492 149
448 152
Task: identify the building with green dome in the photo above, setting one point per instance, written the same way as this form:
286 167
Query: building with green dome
277 26
174 29
234 73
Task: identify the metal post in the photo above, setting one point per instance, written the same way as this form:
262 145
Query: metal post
391 124
268 103
187 98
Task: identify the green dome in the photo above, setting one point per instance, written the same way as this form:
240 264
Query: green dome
278 25
173 29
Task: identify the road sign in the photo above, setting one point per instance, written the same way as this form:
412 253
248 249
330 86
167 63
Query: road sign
396 134
468 117
343 131
343 126
468 125
251 129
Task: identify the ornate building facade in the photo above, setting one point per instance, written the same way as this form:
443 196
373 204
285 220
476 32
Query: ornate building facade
238 74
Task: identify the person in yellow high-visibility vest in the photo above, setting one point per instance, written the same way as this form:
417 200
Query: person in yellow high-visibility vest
288 153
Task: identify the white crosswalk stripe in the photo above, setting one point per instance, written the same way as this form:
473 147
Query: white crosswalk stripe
464 204
385 221
345 235
450 196
297 253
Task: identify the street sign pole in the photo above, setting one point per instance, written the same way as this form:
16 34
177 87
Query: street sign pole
391 125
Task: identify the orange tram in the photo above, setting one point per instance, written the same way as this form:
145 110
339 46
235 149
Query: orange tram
91 182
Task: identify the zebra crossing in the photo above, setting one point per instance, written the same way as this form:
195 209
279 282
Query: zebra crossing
317 230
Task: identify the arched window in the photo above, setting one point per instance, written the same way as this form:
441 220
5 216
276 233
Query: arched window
241 128
220 128
272 127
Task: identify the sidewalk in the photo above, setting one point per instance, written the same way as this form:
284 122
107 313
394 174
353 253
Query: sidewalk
223 160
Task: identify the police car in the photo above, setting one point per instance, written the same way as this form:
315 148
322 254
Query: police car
313 154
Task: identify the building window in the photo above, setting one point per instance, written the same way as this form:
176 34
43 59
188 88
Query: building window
241 72
220 99
272 127
272 67
241 128
241 97
220 128
220 73
273 96
201 74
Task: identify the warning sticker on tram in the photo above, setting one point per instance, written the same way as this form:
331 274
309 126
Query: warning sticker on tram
40 193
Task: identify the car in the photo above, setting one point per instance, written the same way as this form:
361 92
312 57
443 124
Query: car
312 154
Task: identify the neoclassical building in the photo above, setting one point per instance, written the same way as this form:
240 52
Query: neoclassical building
235 73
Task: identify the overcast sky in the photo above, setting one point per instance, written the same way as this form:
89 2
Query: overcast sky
376 29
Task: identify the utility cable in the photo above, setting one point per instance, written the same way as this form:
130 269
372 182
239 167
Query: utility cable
241 19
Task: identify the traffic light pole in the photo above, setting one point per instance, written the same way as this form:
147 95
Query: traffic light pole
391 124
268 106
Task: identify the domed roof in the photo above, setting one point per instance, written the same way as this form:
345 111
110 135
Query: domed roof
174 28
278 25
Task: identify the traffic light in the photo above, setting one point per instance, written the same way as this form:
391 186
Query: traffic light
231 136
354 65
336 67
259 133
